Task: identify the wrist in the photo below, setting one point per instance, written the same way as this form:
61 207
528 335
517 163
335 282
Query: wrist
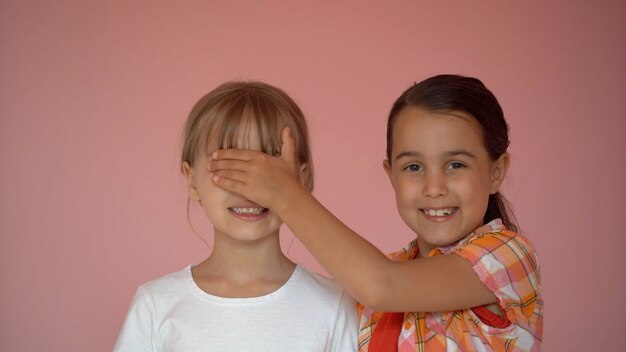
293 196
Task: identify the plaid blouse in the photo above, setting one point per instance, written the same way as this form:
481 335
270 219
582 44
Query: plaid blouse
507 264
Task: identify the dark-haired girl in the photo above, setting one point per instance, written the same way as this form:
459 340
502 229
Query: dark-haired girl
468 281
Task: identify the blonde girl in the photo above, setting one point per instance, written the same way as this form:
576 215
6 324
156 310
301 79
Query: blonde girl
247 295
468 281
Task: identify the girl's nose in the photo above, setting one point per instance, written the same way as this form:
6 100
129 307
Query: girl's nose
434 185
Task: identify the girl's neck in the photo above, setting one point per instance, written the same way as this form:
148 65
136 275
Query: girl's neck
424 248
243 268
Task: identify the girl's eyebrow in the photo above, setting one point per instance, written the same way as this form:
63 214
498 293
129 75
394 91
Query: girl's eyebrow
455 152
409 153
460 152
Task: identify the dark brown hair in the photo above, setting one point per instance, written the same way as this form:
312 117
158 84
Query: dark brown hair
467 94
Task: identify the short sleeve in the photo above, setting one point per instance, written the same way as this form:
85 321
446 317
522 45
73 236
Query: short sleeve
507 264
346 329
137 331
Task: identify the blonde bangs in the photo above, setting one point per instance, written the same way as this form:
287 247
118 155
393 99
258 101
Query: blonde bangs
249 124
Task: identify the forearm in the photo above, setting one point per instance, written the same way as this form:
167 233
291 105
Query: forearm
430 284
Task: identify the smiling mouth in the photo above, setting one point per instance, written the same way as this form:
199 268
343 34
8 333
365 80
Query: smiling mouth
249 211
442 212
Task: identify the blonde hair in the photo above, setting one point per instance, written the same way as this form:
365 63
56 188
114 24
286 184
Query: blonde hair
224 118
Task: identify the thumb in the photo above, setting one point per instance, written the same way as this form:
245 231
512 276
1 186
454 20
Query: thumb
288 149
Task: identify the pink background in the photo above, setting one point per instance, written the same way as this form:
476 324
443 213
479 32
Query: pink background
93 96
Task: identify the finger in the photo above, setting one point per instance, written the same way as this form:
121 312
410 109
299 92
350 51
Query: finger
229 184
288 149
233 175
227 164
235 154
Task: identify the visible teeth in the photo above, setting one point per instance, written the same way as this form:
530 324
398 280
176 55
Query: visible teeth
438 212
248 210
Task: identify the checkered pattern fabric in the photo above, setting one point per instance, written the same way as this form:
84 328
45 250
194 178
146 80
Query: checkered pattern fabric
507 264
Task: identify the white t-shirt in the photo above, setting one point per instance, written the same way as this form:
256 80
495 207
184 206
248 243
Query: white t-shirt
308 313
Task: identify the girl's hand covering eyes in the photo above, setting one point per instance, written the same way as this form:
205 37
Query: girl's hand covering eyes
259 177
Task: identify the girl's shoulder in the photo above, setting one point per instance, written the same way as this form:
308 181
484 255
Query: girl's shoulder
501 242
493 237
501 248
492 240
169 285
321 285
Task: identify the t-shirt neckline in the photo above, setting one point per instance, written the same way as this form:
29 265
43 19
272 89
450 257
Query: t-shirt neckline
286 287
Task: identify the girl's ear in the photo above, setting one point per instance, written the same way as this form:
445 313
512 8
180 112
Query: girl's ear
387 167
191 182
498 171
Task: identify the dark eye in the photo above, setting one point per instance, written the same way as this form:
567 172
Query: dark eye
413 168
456 165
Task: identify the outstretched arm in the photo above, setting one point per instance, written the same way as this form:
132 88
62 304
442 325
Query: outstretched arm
439 283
